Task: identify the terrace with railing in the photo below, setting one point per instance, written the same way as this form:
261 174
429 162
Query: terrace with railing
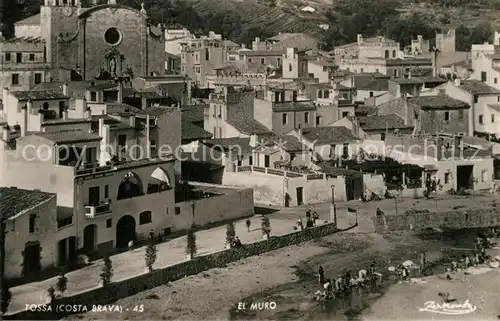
279 172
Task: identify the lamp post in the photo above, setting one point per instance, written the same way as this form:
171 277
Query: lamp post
333 210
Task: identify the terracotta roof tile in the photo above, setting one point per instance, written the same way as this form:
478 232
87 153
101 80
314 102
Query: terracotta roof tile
329 135
15 200
69 136
382 122
191 131
39 95
477 87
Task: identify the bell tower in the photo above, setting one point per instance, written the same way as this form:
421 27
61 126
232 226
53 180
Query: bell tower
58 19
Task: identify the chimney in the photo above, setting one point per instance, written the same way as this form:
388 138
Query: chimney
120 92
88 113
132 120
457 82
25 120
65 89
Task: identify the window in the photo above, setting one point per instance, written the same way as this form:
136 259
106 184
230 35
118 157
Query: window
15 79
7 56
290 67
318 120
395 73
250 160
492 118
278 60
306 117
262 60
122 140
93 96
394 54
32 58
19 57
371 93
382 136
345 114
215 132
145 218
460 114
45 106
196 57
220 132
495 80
345 151
361 70
320 93
446 115
446 178
386 54
483 76
38 78
32 223
476 99
152 144
109 223
481 119
326 94
285 118
249 59
498 99
197 69
207 54
177 210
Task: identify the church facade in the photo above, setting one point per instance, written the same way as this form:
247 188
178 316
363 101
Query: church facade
74 43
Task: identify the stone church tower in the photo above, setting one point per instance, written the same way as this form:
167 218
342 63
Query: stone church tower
107 40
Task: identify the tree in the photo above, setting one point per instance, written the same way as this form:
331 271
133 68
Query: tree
151 252
266 226
191 247
230 233
107 270
478 34
403 30
51 292
62 283
5 295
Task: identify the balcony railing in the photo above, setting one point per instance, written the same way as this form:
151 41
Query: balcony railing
91 168
95 211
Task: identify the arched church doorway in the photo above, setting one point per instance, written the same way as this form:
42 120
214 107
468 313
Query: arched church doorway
89 238
125 231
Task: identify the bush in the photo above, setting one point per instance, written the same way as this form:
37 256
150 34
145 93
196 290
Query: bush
5 296
62 283
230 233
266 226
191 247
107 271
150 255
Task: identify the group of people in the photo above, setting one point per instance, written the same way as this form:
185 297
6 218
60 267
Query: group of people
311 217
346 283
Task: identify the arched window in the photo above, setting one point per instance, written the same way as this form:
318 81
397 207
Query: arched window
159 181
130 186
394 54
386 54
145 218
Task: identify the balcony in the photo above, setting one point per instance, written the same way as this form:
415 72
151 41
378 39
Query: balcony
91 168
96 211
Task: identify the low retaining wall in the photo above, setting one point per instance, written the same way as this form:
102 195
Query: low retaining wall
472 218
125 288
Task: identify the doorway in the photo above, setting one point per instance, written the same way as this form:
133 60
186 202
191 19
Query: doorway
62 109
66 251
300 192
267 161
125 231
89 238
354 187
465 177
94 196
32 259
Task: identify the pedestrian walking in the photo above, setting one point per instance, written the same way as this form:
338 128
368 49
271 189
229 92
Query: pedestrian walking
248 223
152 235
321 275
315 217
130 245
287 200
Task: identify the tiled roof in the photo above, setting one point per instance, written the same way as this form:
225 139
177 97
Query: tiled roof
235 144
229 43
374 85
191 131
477 87
240 116
69 136
38 95
248 126
328 135
432 79
121 107
365 111
102 86
33 20
65 121
288 142
262 53
193 113
172 56
15 200
293 106
300 41
438 102
410 81
155 111
323 63
75 88
382 122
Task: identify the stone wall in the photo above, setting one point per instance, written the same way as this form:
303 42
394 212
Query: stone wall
132 286
473 218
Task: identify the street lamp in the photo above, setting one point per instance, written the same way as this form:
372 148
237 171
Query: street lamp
333 210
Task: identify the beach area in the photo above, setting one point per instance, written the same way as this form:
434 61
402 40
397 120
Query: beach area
288 278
